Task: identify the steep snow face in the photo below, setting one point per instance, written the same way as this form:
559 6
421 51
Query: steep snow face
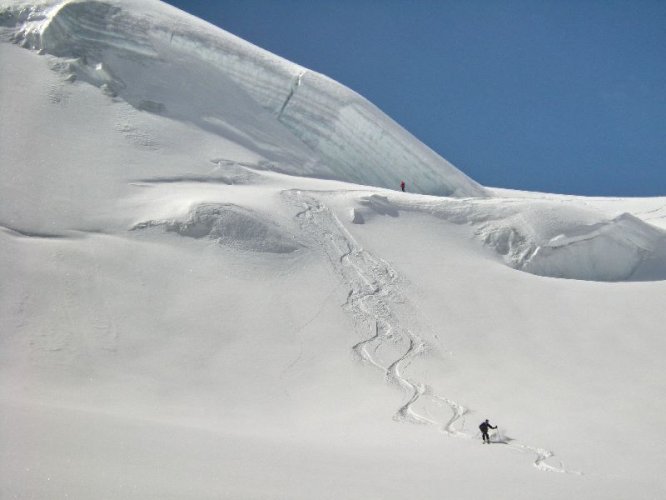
163 61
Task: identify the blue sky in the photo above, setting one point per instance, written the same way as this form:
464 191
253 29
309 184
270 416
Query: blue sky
562 96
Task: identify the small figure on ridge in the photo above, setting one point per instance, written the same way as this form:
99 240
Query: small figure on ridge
484 430
402 186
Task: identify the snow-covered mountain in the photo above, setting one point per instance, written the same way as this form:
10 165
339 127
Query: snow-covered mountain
212 287
152 56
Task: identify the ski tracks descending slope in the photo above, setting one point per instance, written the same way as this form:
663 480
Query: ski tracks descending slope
376 304
379 309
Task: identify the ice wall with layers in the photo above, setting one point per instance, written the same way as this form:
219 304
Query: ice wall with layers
154 56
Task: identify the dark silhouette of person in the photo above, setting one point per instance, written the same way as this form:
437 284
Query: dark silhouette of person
402 186
484 430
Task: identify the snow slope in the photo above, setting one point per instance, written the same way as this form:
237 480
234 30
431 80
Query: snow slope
206 298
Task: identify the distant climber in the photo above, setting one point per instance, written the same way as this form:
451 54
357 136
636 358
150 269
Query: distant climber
402 186
484 430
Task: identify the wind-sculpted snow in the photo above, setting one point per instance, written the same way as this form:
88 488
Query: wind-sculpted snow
229 225
163 61
613 250
548 238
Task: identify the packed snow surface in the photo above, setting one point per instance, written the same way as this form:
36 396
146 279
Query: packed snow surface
211 287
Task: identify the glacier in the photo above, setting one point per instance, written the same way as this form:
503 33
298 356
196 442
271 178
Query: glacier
211 286
145 55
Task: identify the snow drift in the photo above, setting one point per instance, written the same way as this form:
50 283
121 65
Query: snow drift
229 225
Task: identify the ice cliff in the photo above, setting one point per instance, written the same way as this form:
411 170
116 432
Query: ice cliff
164 61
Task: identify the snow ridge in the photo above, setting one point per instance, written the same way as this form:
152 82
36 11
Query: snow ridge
376 304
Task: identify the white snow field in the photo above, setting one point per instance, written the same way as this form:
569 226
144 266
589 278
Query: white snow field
210 287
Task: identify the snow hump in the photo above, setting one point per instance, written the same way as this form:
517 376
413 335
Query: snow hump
231 226
155 57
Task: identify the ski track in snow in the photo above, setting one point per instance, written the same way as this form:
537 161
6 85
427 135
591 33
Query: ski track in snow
374 300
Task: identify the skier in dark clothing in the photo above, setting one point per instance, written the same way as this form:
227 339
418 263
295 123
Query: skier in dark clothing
484 430
402 186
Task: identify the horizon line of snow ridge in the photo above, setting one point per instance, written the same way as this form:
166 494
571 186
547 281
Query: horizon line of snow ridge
352 137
